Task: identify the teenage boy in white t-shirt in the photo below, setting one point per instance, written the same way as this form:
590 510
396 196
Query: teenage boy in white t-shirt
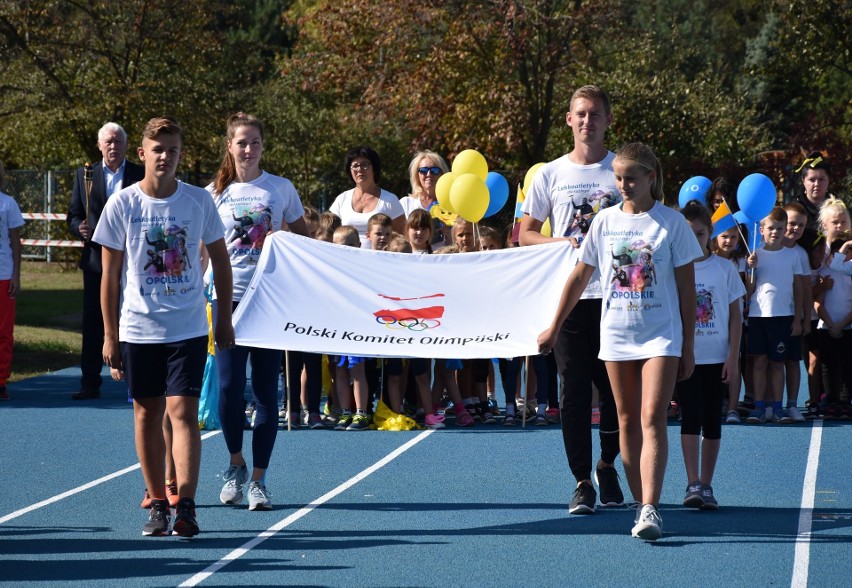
774 315
570 191
155 320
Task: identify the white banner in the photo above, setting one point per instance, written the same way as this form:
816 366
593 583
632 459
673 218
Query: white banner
309 295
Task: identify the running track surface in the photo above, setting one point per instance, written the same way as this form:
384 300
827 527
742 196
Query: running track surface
481 506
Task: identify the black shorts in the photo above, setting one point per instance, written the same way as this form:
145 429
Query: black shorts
810 343
794 349
165 369
769 335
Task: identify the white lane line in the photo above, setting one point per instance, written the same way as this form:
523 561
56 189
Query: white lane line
78 489
801 561
282 524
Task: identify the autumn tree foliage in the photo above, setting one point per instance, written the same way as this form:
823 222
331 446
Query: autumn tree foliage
447 75
70 66
711 85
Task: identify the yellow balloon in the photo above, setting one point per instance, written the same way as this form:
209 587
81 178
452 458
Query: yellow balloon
471 161
442 190
528 179
469 197
545 228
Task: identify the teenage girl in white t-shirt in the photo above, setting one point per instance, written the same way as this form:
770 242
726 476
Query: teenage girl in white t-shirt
251 203
647 318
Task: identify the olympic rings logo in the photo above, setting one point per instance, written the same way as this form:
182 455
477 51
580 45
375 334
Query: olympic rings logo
410 323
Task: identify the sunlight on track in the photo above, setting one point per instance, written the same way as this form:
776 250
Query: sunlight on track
249 545
801 562
78 489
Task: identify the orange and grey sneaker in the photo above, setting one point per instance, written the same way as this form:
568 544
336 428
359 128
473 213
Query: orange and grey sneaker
146 500
172 493
158 519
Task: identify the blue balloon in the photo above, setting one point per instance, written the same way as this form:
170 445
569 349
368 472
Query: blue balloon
751 228
498 192
756 196
743 218
693 189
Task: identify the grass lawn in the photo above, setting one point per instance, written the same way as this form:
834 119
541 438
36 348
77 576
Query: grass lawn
48 320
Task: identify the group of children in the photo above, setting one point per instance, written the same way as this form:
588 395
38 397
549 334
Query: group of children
408 386
799 307
798 303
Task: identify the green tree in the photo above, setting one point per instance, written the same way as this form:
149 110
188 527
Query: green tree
71 66
448 75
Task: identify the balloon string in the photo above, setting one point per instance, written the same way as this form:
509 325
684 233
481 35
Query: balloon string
753 246
739 230
477 242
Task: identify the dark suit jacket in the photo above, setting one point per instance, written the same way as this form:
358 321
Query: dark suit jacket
91 258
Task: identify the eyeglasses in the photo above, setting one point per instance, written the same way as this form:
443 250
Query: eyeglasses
362 166
436 171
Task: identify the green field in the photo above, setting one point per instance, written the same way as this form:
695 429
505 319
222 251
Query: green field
48 321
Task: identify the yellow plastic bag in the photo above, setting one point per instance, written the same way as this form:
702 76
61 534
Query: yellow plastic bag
384 419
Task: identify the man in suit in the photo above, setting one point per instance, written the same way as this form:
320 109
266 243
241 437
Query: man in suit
107 177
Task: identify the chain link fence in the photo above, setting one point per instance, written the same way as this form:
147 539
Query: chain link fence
47 193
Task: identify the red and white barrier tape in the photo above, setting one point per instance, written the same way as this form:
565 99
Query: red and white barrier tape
43 216
51 243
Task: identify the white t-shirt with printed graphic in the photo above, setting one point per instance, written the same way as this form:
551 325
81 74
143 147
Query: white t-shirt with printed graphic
10 218
773 278
250 210
717 285
162 297
570 195
637 255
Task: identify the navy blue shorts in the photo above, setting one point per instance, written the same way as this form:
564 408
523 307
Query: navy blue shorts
770 336
165 369
794 349
810 344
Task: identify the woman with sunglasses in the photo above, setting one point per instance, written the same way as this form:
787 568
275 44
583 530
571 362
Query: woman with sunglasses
356 206
424 171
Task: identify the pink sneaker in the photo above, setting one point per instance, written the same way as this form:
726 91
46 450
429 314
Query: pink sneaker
463 418
434 421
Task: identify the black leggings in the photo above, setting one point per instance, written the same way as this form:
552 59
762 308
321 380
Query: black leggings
700 398
836 365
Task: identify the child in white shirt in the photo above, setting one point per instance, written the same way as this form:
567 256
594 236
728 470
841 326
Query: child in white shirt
775 294
718 326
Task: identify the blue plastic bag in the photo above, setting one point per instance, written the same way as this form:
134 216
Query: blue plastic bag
208 404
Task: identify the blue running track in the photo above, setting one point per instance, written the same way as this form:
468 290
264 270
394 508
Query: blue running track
458 507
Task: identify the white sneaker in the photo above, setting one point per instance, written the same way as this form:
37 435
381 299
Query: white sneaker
258 496
793 413
235 478
649 523
733 418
